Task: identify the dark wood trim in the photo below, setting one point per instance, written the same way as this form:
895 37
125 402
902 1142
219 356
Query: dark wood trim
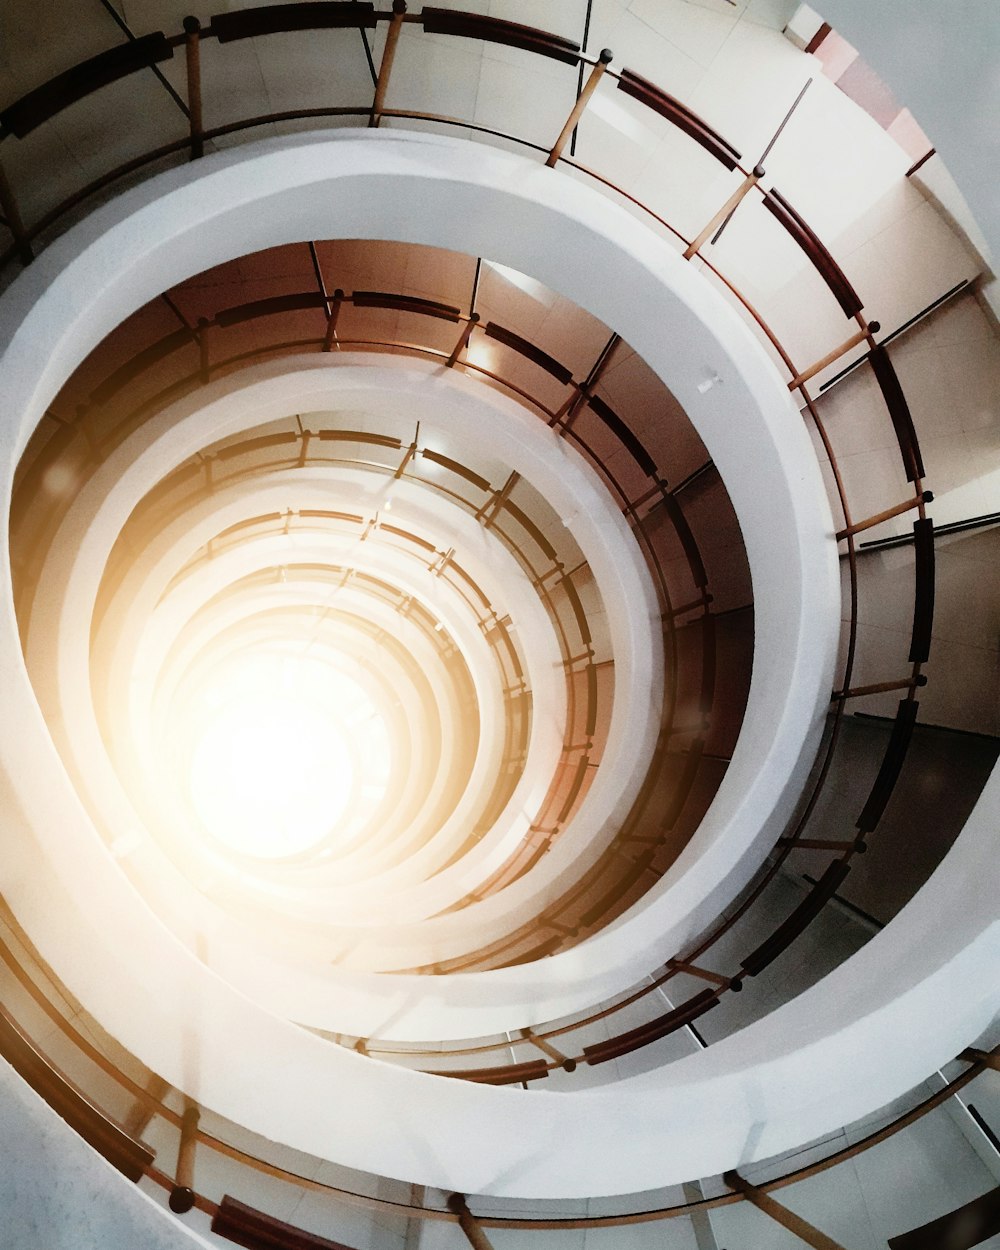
680 115
496 30
273 19
891 766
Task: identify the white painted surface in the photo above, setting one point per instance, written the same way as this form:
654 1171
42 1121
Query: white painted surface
163 1005
58 1193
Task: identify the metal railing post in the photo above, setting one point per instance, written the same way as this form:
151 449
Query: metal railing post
192 50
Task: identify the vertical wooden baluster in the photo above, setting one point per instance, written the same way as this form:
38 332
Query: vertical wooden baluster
596 74
781 1215
182 1195
463 340
331 321
726 211
388 56
475 1236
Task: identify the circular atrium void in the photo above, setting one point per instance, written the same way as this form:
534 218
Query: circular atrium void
541 574
280 749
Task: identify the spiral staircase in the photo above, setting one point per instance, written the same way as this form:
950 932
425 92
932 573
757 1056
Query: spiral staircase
501 654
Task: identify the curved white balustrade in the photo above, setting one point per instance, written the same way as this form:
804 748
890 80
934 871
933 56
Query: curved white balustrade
69 586
178 1017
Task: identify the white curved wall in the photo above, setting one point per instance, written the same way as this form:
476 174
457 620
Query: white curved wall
539 223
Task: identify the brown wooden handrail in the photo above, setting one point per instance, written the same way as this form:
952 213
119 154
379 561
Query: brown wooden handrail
255 1230
891 766
504 1074
962 1229
817 251
680 115
799 920
624 434
899 412
130 1157
923 594
438 21
311 6
654 1030
44 102
405 303
529 351
273 19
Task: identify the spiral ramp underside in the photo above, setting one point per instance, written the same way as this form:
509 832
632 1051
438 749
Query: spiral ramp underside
424 611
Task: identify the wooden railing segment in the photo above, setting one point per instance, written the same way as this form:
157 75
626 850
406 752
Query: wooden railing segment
505 1074
819 255
891 766
254 1230
529 351
968 1226
680 115
923 595
899 412
44 102
274 19
438 21
653 1030
803 915
131 1158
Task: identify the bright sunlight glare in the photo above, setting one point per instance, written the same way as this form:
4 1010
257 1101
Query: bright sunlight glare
272 766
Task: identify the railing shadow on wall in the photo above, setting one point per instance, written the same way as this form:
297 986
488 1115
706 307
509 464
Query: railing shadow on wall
21 118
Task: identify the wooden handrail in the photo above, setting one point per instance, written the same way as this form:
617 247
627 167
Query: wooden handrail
687 540
923 594
962 1229
136 365
799 920
44 102
891 766
255 1230
273 306
654 1030
274 19
406 303
899 412
624 435
529 351
438 21
817 252
132 1158
680 115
